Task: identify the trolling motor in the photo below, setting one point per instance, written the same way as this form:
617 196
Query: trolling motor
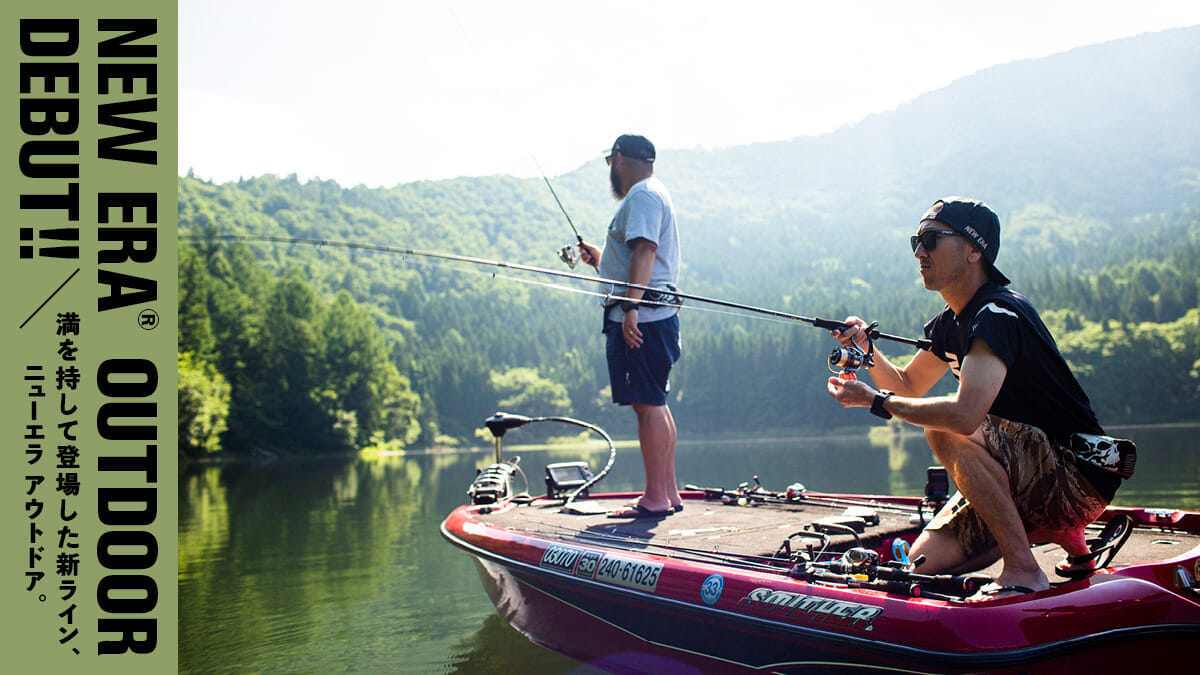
493 483
564 480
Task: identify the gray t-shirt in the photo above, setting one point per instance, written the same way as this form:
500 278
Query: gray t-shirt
645 213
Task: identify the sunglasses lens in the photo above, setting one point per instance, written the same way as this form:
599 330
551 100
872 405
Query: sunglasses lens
928 239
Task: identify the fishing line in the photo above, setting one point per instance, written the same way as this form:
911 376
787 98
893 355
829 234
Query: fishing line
568 254
557 200
604 296
405 253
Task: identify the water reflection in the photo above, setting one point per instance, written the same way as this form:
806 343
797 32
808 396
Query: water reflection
1168 468
315 565
338 564
498 648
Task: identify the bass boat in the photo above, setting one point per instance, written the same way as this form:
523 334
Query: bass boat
750 579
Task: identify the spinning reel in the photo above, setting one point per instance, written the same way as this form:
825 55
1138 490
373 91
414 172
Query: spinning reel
850 358
569 254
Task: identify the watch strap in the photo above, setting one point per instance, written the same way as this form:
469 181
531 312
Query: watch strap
877 408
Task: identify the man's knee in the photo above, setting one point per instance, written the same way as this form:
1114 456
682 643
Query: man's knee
941 437
647 411
948 446
940 550
942 443
935 437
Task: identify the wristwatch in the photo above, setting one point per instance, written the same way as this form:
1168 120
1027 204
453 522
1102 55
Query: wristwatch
627 305
877 408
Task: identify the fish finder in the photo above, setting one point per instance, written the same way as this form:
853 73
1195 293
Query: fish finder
564 477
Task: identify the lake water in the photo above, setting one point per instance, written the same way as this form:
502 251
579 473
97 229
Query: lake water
337 565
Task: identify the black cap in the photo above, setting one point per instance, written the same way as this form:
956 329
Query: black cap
634 147
977 222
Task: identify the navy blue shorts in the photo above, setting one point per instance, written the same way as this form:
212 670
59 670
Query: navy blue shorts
640 375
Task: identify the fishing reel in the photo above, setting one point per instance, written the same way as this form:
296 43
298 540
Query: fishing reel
850 358
569 254
858 560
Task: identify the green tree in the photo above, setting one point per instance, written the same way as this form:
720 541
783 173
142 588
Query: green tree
524 391
356 368
195 326
203 406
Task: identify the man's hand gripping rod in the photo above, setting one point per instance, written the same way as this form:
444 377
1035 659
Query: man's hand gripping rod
850 358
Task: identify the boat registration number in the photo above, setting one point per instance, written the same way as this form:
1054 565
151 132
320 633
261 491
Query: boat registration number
629 572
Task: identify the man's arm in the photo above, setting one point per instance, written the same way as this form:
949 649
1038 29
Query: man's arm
641 266
914 379
961 412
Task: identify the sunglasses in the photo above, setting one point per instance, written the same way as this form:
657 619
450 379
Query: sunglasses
928 239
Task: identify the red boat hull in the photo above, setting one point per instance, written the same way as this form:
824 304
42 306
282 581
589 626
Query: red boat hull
628 610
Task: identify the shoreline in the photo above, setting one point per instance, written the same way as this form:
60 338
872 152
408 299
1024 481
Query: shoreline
773 436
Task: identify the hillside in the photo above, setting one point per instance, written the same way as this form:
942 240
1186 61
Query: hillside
1091 158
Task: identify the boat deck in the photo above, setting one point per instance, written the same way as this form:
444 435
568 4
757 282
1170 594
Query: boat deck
707 528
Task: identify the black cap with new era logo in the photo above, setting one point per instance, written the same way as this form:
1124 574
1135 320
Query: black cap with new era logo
976 221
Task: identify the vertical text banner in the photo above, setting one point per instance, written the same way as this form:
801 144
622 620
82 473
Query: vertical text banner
88 308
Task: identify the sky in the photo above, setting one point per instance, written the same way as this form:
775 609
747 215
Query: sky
381 93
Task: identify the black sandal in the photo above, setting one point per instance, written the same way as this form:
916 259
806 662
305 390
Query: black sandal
1102 549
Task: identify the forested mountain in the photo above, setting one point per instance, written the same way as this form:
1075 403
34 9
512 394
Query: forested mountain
1091 158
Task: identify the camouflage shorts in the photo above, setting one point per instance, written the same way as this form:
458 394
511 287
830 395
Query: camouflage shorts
1050 492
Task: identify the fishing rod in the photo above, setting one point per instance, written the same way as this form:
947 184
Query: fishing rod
568 253
828 324
794 494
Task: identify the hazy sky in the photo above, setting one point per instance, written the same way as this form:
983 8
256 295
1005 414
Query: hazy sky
381 93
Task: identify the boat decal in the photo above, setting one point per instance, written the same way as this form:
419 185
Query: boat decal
710 590
588 562
852 614
640 575
561 558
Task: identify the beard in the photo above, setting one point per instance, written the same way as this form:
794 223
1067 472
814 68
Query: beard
615 182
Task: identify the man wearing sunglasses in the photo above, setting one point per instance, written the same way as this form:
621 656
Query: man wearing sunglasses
1016 401
642 329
